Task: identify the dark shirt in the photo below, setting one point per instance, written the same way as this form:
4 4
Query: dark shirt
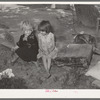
30 42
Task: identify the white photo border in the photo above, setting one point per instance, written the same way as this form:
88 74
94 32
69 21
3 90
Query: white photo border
41 93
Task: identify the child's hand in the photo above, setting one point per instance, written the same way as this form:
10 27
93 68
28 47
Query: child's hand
44 52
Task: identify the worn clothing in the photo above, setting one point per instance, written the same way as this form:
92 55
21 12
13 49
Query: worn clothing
52 55
46 40
46 43
28 49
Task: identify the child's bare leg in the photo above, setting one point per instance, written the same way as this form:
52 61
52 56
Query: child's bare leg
15 57
45 62
37 65
49 64
35 62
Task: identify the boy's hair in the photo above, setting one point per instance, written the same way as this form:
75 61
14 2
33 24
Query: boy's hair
26 25
45 26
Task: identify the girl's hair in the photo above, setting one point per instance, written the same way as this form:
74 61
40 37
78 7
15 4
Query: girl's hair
26 25
45 26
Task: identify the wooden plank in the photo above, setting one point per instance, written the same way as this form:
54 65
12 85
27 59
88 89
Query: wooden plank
78 50
76 55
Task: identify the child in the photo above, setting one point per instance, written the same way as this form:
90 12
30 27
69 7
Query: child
47 49
27 46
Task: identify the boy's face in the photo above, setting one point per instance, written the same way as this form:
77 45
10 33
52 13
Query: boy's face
28 32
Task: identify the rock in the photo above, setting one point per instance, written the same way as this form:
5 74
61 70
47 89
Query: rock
96 83
53 6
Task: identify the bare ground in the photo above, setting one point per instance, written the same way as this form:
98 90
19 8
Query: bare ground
63 77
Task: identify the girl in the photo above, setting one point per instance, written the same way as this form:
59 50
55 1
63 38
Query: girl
27 46
47 49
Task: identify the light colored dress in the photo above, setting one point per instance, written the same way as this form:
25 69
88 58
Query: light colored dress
47 44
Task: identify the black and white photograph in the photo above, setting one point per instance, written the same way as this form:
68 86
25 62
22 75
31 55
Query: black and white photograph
49 46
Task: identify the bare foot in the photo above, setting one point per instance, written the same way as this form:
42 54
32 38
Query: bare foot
13 61
48 75
37 65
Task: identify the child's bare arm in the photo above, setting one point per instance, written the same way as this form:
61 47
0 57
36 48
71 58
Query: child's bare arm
39 42
41 48
40 45
53 45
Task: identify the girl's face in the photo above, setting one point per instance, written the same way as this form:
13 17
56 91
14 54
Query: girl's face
43 33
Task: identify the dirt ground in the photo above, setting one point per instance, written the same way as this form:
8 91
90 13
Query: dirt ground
62 77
